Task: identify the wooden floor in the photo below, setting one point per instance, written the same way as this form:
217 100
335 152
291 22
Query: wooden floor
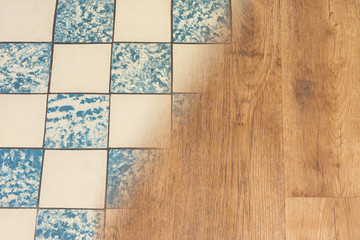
275 154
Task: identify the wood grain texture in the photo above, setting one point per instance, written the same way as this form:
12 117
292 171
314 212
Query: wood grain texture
277 123
321 58
256 77
322 218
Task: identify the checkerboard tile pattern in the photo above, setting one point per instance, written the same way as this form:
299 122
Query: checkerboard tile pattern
89 93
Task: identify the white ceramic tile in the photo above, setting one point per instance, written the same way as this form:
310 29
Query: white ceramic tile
17 224
81 68
26 20
140 120
193 62
143 20
22 119
73 179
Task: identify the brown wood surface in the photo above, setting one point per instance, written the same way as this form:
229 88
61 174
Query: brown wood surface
322 218
271 150
321 94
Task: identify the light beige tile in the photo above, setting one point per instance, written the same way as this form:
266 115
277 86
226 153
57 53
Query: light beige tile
73 179
81 68
143 20
140 120
26 20
22 119
17 224
193 62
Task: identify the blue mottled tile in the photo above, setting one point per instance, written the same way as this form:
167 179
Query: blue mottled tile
125 166
201 21
141 68
77 121
84 21
19 177
68 224
24 68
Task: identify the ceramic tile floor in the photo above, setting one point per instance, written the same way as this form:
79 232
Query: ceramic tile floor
88 88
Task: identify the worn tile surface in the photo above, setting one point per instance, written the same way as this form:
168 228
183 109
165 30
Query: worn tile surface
77 121
84 21
125 166
141 68
24 67
201 21
182 104
19 177
69 224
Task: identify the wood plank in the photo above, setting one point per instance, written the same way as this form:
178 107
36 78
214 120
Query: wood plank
321 58
322 219
257 140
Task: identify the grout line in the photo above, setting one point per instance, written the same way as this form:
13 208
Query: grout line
231 30
108 133
191 93
46 109
106 93
70 208
132 42
85 93
172 95
40 148
172 66
90 149
18 208
111 208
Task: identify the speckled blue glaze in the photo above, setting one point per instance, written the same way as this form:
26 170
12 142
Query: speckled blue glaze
125 166
141 68
201 21
77 121
19 177
67 224
84 21
24 68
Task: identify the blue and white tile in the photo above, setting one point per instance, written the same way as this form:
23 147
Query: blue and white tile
201 21
24 67
141 68
125 167
84 21
67 224
77 121
19 177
